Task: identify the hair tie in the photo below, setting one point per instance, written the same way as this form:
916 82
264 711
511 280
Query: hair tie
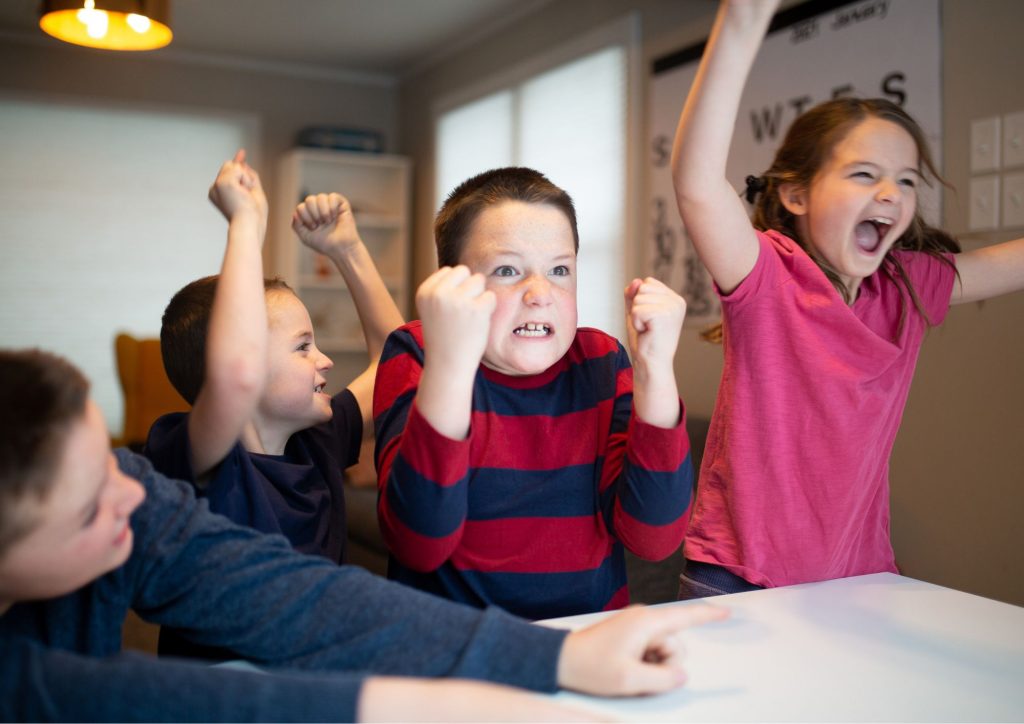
755 185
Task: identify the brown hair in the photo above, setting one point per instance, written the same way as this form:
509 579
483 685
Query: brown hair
471 197
803 152
183 333
41 396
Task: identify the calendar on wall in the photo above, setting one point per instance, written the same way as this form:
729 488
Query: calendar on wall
814 51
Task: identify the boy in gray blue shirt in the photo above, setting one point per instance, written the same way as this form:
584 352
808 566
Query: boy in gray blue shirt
86 534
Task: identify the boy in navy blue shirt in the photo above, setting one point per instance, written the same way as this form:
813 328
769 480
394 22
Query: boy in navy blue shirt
86 534
264 442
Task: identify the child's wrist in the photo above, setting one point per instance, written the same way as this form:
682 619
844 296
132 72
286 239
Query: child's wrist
345 252
248 214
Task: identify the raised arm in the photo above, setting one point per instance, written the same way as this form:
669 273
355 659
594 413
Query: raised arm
455 307
989 272
654 319
423 409
712 212
236 343
325 223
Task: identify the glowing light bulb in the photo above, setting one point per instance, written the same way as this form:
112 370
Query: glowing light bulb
138 23
95 21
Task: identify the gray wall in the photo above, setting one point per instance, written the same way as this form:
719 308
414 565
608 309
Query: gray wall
957 467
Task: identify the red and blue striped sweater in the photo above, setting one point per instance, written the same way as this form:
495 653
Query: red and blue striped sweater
531 511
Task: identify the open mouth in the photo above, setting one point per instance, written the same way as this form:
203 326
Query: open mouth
320 388
870 233
532 329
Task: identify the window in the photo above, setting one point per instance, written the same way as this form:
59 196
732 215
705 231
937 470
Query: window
572 123
103 216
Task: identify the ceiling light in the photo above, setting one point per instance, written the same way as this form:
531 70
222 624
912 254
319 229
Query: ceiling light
108 24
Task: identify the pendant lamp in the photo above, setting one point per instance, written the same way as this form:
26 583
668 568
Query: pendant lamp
108 24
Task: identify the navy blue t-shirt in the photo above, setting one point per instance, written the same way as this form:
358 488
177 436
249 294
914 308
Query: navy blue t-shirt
298 494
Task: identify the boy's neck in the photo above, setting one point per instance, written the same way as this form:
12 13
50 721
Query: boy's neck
4 605
265 439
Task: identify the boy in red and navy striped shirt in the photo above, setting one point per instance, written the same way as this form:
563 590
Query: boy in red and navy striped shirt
516 454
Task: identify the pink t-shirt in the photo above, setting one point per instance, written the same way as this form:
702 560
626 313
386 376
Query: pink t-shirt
795 481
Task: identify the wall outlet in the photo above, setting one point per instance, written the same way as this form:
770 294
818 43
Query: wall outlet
1013 200
984 212
1013 139
985 145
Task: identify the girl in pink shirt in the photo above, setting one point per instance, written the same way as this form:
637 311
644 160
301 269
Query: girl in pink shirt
826 297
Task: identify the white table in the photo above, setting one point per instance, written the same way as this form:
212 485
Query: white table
871 648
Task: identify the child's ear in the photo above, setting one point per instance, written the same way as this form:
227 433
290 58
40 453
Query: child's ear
794 198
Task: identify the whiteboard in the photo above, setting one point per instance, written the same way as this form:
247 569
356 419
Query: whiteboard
813 52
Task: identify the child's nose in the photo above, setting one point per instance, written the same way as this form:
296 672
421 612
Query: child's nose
325 362
129 494
538 290
888 190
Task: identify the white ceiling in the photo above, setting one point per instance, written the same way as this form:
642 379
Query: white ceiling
387 37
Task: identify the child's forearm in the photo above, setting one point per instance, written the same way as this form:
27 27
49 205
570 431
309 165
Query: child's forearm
715 218
655 394
989 272
236 348
708 119
237 336
445 399
378 313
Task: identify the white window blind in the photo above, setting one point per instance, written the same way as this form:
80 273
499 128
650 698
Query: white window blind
473 138
570 123
103 216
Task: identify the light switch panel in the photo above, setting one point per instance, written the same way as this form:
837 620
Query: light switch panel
1013 200
985 144
984 212
1013 139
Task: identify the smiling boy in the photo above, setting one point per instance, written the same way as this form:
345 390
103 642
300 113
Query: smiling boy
516 453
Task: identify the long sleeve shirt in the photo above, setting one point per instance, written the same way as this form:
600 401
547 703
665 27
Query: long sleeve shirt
299 617
530 512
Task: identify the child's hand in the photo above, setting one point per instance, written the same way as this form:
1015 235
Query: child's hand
455 308
634 651
654 319
237 190
325 222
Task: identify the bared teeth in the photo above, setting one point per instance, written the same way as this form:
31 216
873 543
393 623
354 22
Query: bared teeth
532 329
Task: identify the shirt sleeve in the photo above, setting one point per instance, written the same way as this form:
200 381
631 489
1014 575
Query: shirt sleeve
42 684
932 280
168 447
423 476
227 586
647 478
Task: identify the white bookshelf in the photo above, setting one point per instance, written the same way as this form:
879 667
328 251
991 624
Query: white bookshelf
378 188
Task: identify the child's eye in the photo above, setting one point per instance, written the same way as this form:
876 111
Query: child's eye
560 271
862 174
304 347
504 271
909 182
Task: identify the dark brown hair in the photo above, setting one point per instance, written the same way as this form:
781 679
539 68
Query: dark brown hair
183 333
41 396
471 197
806 148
